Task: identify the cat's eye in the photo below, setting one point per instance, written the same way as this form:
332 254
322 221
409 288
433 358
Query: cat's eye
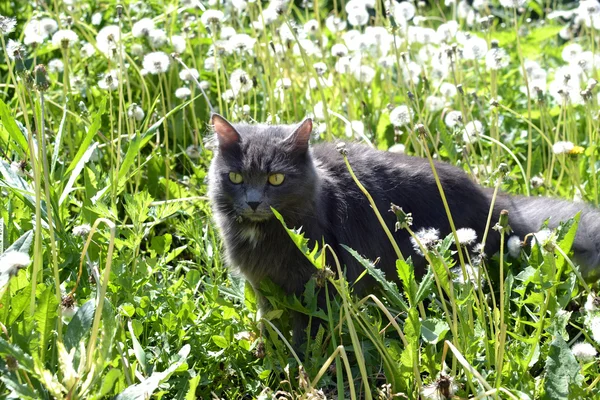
235 177
276 179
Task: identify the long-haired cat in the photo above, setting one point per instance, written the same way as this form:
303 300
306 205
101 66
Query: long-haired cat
257 167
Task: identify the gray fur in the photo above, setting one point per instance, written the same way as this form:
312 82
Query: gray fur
318 194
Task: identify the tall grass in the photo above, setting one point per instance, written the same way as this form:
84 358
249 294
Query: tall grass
112 281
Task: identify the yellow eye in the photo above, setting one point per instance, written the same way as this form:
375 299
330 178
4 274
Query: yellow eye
276 179
235 177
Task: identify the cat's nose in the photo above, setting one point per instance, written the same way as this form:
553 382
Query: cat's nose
253 204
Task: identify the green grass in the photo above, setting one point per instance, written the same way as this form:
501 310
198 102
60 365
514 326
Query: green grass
126 293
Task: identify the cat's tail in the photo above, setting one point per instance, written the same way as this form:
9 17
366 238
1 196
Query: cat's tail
527 214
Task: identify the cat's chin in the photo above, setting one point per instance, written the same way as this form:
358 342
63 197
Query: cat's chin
254 218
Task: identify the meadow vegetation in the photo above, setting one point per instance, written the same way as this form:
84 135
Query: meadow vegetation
112 280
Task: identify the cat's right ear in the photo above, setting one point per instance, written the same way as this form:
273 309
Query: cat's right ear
225 132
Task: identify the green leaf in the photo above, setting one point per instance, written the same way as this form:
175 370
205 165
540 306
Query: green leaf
144 390
314 256
13 129
58 139
140 355
220 341
80 325
406 273
191 393
45 316
132 151
83 159
389 288
8 349
562 370
87 140
434 330
425 287
108 382
250 297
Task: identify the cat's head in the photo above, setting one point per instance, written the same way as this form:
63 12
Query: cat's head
257 167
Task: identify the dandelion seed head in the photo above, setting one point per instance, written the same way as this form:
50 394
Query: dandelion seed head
448 90
398 148
183 93
7 25
335 24
434 103
107 39
514 246
240 81
466 236
472 131
157 38
82 230
403 12
475 48
227 32
110 81
594 325
189 74
364 74
497 58
358 17
212 17
142 28
156 62
428 237
96 19
14 50
178 43
562 147
453 119
64 38
339 50
136 112
401 116
56 66
241 42
584 352
512 3
194 152
12 261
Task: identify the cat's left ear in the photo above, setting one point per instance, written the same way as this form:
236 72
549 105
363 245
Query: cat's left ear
299 139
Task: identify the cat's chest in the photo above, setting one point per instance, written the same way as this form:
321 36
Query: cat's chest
267 253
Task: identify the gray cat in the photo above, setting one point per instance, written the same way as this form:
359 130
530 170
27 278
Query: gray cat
257 167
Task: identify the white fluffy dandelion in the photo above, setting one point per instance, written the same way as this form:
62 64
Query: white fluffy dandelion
107 39
240 81
584 352
183 93
7 25
142 27
466 236
401 116
82 230
212 17
497 58
136 112
514 246
156 62
562 147
12 261
475 48
110 81
64 38
594 325
472 131
453 119
428 237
